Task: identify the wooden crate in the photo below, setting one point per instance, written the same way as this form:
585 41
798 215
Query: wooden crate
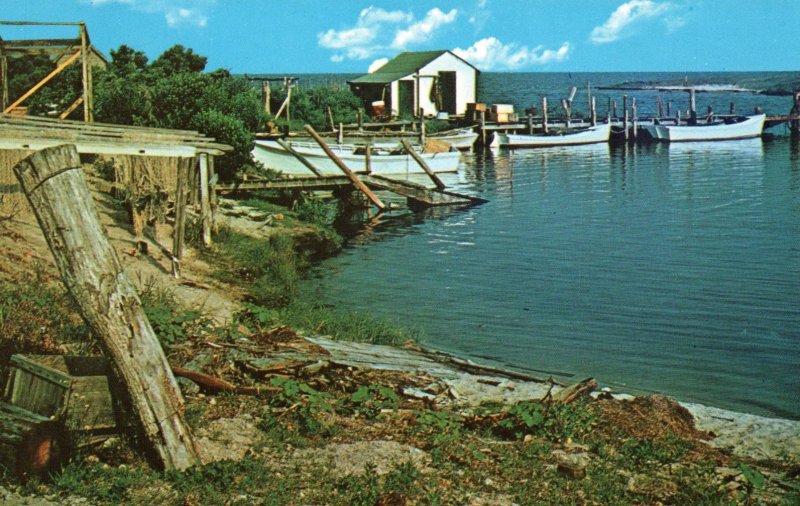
77 390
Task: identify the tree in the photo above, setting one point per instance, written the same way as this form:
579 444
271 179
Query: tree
176 60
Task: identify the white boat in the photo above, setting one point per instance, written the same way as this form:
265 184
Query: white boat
590 135
463 138
382 162
740 128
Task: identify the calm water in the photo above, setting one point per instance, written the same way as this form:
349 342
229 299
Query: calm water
670 268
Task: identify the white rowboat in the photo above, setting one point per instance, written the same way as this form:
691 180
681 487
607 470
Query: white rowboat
273 156
745 128
590 135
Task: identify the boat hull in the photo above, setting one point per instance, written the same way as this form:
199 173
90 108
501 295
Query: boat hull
273 156
751 127
591 135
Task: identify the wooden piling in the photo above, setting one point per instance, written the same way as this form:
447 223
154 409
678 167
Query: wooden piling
669 108
360 120
732 109
567 111
350 175
482 126
180 218
266 93
709 114
56 189
410 150
340 135
594 111
530 123
625 115
794 125
635 119
692 108
614 109
368 158
544 115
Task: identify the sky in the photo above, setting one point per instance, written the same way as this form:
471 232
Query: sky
330 36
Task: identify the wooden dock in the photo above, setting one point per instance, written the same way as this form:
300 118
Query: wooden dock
417 195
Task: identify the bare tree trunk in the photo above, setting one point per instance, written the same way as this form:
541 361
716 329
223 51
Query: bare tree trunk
56 189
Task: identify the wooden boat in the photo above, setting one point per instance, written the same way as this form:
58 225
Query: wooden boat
462 138
590 135
743 127
383 159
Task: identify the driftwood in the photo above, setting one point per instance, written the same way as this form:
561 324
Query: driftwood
574 391
54 184
215 384
30 444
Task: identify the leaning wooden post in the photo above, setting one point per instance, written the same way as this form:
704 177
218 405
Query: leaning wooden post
302 159
53 182
544 115
330 119
205 202
410 150
344 168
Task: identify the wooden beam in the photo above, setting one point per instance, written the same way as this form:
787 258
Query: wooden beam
71 108
43 82
3 78
88 111
56 189
26 43
344 168
302 159
413 154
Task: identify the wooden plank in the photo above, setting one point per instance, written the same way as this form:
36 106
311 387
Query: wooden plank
410 150
30 444
44 81
339 163
57 191
100 147
25 43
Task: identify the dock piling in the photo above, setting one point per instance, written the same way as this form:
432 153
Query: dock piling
544 115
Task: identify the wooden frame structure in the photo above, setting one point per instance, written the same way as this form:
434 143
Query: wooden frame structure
77 49
25 134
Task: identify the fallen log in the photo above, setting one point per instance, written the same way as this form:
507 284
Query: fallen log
30 444
56 189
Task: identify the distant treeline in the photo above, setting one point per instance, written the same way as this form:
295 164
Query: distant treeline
767 83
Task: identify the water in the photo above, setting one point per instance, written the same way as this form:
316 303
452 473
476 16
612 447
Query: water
667 268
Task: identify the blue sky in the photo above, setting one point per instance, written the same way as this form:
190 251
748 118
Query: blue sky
266 36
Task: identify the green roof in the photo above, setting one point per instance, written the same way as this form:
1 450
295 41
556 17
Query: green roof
400 66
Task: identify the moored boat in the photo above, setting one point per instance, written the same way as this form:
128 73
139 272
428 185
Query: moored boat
743 127
382 160
590 135
462 138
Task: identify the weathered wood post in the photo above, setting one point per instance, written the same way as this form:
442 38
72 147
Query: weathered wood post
180 220
567 111
544 115
732 109
86 70
340 134
709 114
3 78
413 154
530 123
794 125
634 119
368 158
594 111
614 109
205 201
669 108
266 93
360 114
53 182
482 126
692 109
625 115
330 119
422 128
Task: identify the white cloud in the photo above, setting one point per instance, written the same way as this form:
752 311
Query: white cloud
380 62
357 42
491 54
674 23
421 31
333 39
626 15
176 12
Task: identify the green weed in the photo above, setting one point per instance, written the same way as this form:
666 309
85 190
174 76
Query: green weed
370 399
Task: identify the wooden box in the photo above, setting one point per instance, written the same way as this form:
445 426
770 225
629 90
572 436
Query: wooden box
77 390
503 108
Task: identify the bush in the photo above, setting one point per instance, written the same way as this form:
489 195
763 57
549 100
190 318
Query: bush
226 129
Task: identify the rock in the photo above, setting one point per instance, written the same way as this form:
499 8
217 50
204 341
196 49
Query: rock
571 465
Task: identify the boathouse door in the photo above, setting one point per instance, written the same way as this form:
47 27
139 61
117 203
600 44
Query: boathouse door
447 88
405 98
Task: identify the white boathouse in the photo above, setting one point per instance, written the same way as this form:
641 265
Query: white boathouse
427 81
